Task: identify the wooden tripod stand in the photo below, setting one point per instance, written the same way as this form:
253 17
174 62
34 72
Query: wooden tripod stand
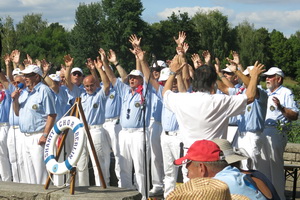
78 112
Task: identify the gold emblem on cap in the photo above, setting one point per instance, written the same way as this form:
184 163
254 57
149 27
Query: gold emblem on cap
248 108
137 105
95 105
112 96
272 108
34 107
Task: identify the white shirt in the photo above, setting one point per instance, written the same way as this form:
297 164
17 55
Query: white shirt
202 115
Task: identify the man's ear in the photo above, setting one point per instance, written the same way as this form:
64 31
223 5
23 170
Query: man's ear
202 170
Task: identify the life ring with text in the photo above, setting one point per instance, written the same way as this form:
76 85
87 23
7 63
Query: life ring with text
64 123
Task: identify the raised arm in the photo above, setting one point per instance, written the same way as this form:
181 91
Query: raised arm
113 59
110 74
8 67
251 91
175 68
180 40
288 113
98 63
145 68
68 63
15 58
91 66
235 69
207 57
46 67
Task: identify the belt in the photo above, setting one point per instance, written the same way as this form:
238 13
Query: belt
15 127
111 119
4 124
171 133
95 126
33 133
131 130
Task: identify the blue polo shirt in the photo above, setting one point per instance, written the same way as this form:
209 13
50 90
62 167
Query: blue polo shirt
35 106
131 111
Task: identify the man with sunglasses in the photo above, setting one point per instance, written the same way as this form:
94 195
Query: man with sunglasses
281 110
35 107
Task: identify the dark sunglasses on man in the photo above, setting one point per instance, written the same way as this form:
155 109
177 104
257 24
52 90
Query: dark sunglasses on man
77 74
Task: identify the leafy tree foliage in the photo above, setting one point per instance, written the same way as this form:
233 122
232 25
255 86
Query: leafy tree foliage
294 42
281 53
213 32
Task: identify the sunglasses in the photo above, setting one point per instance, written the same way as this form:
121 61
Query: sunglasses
29 75
127 115
271 76
77 73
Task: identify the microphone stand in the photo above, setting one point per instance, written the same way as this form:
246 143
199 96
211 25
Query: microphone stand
144 132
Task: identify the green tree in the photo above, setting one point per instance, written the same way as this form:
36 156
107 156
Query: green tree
214 32
164 46
9 35
85 37
294 42
281 53
252 44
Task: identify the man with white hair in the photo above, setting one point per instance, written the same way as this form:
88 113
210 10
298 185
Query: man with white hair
36 110
281 110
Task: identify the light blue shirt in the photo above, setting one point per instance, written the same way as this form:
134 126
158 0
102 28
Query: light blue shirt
238 183
255 114
13 118
71 98
286 99
93 105
35 106
5 107
131 115
113 104
168 118
61 100
156 106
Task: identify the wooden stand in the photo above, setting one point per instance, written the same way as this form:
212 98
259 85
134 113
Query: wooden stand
78 111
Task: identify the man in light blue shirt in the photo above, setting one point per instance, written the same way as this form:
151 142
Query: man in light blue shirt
36 110
5 102
281 109
93 102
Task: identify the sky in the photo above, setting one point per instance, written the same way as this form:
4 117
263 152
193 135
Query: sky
282 15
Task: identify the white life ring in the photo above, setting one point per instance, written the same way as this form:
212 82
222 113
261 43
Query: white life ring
64 123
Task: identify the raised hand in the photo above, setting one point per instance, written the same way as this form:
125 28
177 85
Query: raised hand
112 57
175 65
135 41
98 63
29 59
257 69
15 56
185 47
217 65
140 54
68 60
45 66
90 64
181 37
38 62
196 60
6 59
236 57
207 57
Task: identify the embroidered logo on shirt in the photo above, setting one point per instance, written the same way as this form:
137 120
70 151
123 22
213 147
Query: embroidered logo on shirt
248 108
137 105
95 105
34 107
112 96
272 108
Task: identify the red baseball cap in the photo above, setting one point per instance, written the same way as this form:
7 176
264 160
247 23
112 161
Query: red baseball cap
202 151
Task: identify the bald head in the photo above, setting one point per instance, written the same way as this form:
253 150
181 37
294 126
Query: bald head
89 83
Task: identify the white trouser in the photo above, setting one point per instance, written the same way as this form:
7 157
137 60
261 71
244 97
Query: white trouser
5 171
157 170
113 130
36 172
132 151
100 139
252 143
15 140
171 151
273 150
231 133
